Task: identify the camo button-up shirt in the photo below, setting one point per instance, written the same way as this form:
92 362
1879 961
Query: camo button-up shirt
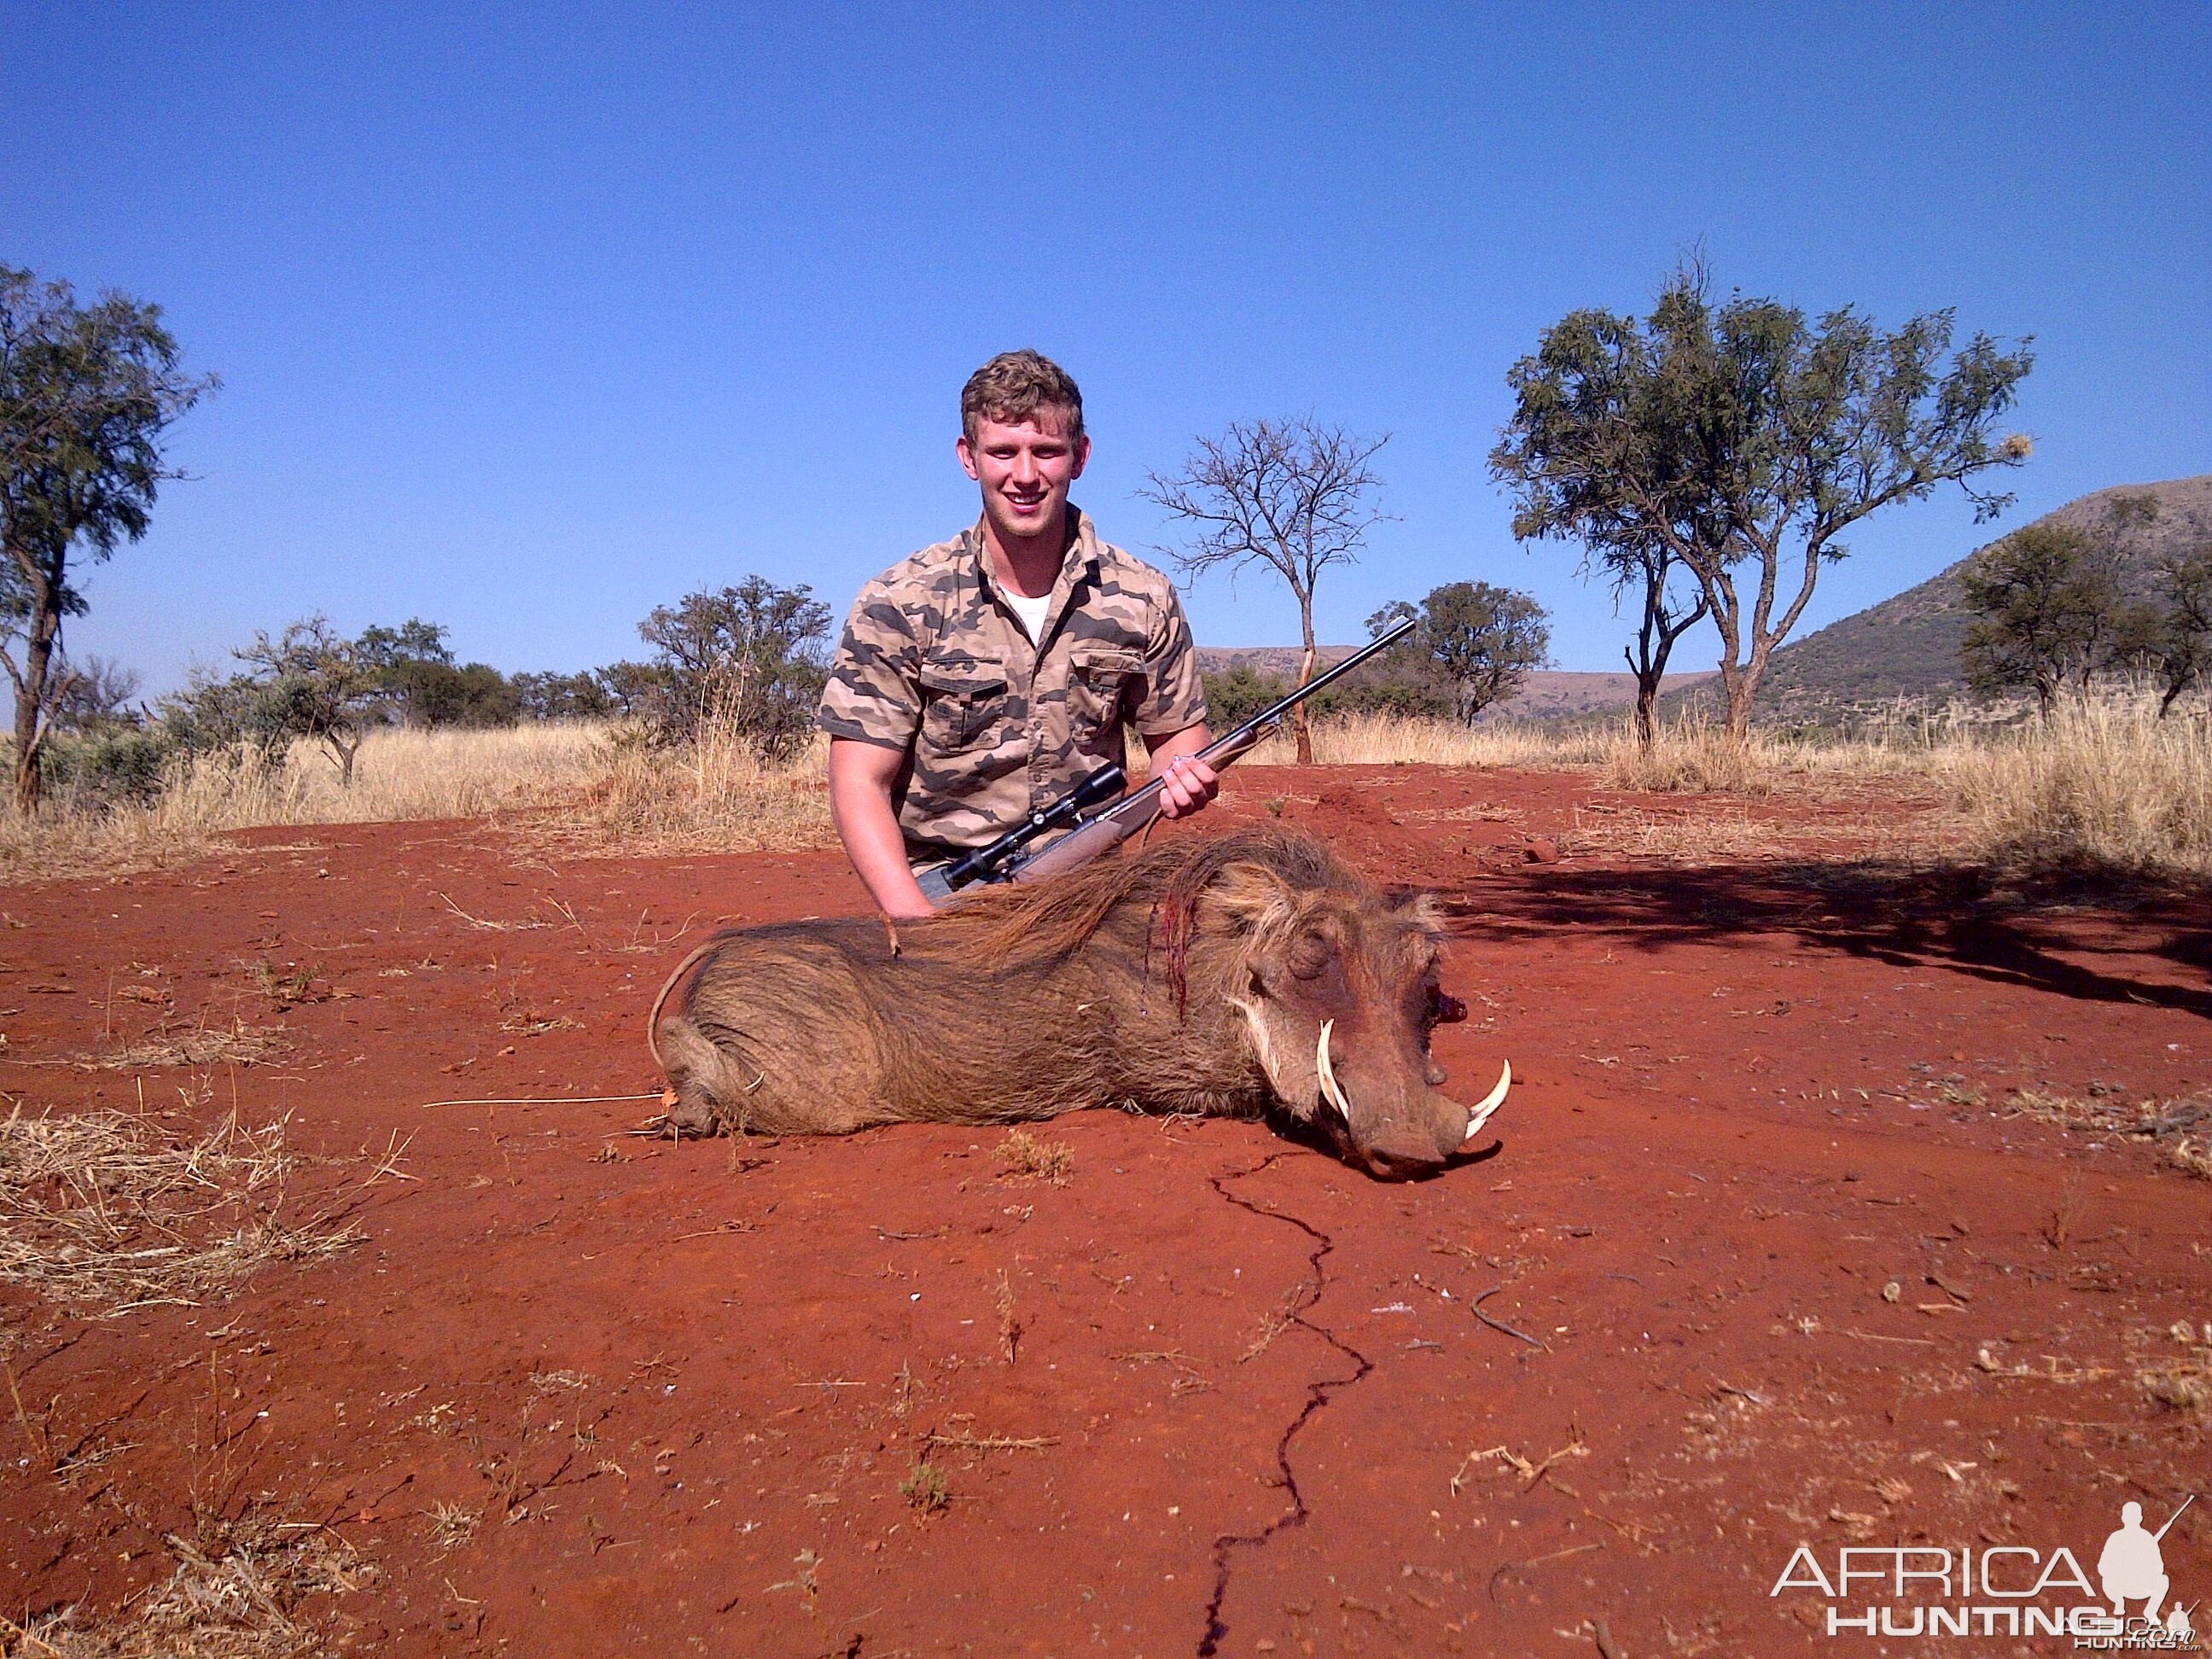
935 662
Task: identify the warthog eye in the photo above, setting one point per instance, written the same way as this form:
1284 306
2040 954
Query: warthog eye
1308 954
1444 1009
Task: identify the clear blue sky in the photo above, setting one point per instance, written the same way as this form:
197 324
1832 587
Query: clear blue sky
531 318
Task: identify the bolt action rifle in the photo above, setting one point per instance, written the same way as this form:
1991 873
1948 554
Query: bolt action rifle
1095 828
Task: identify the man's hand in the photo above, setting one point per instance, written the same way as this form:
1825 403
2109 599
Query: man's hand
1187 783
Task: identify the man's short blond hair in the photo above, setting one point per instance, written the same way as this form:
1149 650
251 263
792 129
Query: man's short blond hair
1013 387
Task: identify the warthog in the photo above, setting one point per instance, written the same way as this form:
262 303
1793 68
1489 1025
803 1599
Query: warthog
1218 976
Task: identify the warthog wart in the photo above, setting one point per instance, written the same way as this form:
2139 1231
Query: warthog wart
1223 977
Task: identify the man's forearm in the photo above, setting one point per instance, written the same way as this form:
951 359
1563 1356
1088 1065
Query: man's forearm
860 806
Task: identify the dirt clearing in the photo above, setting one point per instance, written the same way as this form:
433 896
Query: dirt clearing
1838 1202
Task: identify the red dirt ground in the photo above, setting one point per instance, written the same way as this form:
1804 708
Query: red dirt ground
1748 1098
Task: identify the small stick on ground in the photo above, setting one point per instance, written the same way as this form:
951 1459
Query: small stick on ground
1500 1324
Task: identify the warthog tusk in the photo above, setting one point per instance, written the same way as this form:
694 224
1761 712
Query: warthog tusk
1329 1092
1479 1113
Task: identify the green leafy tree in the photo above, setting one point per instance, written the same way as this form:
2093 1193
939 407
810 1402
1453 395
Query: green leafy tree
1291 497
752 658
1742 440
88 394
423 685
310 681
549 697
1484 640
2051 609
2181 653
1479 642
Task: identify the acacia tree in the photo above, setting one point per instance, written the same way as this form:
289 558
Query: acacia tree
2182 654
1743 439
315 684
1292 496
86 396
752 657
2051 606
1481 641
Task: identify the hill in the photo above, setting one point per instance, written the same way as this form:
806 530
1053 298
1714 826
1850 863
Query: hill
1908 645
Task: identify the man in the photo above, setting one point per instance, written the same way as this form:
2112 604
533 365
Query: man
987 675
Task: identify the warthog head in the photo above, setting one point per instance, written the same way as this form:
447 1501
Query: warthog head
1337 987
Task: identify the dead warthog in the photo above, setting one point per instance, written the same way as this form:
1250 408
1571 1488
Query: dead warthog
1219 976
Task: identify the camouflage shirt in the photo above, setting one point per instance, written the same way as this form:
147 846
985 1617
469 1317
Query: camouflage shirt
934 662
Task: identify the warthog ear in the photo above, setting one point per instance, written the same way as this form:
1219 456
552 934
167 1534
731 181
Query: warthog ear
1248 895
1422 908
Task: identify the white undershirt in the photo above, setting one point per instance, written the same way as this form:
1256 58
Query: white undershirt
1031 611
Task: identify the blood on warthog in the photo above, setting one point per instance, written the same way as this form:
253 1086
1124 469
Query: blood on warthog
1234 976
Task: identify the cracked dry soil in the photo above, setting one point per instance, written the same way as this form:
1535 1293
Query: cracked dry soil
579 1393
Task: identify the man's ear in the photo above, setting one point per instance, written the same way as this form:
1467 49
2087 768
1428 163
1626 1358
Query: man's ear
1082 456
966 452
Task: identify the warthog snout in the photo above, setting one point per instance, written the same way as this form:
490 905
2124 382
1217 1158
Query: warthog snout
1234 976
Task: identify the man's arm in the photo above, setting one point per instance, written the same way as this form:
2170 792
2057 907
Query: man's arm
862 776
1187 783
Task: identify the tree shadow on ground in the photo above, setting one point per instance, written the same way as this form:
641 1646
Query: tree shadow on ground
2045 933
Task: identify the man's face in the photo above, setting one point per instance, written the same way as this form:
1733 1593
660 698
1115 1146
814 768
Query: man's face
1025 468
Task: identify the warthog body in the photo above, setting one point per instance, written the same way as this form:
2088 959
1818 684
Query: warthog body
1223 976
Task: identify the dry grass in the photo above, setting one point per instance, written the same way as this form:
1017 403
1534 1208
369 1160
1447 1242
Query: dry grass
236 1597
585 782
1396 740
2169 1123
1689 837
1026 1157
239 1044
717 797
2182 1382
2103 781
104 1212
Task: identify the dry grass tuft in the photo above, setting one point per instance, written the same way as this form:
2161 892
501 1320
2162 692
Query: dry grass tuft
1026 1157
2168 1120
104 1212
716 797
237 1596
925 1489
239 1044
2182 1382
2103 783
452 1526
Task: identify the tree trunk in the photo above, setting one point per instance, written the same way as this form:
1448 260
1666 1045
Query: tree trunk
30 702
1647 697
1298 722
1737 680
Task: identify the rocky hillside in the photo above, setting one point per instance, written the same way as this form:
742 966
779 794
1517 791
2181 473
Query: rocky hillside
1908 645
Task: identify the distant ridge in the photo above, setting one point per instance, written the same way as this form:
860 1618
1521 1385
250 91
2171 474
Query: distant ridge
1545 694
1908 645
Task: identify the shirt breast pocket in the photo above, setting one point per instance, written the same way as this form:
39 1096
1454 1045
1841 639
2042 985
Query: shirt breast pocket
1098 683
961 705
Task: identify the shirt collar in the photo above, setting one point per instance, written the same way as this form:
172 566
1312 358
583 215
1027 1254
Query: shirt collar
1081 559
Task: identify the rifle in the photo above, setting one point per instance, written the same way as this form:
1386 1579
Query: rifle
1094 833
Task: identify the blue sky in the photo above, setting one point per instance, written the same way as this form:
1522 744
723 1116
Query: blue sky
532 318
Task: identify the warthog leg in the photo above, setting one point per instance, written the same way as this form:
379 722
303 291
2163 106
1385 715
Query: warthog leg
1478 1113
